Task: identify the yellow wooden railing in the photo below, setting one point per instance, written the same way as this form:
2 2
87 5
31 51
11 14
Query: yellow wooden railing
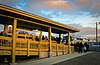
5 45
24 36
72 49
26 46
66 49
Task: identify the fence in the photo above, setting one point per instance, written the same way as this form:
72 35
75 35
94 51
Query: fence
29 47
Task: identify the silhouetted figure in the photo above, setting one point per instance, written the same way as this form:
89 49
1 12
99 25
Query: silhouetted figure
46 38
53 38
58 39
43 38
77 47
72 44
80 47
87 47
37 39
1 33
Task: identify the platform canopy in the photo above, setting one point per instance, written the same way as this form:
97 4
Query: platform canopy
30 21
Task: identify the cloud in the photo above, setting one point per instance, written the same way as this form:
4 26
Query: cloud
58 16
96 9
87 20
91 6
96 5
19 4
83 18
83 2
57 5
9 2
84 31
65 6
76 25
68 6
82 14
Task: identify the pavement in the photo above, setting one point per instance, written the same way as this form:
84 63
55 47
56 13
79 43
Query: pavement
88 59
54 60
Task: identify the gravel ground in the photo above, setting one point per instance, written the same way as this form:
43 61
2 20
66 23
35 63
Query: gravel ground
89 59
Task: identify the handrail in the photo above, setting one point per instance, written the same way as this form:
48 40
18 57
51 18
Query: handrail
5 43
29 47
24 36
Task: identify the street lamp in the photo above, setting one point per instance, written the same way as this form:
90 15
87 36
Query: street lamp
97 31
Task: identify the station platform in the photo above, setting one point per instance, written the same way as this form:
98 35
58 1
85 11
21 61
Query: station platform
53 60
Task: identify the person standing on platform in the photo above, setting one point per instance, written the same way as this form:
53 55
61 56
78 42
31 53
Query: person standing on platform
1 33
80 47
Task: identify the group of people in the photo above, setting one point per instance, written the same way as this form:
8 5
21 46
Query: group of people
80 47
57 39
43 38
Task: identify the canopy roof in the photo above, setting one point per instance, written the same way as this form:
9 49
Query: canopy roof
31 21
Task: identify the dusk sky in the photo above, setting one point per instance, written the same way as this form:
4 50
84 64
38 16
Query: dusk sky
81 14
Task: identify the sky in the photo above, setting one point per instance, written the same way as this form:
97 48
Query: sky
81 14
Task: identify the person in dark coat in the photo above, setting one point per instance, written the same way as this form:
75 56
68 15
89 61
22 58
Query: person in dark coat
37 39
77 47
87 47
1 33
58 39
81 47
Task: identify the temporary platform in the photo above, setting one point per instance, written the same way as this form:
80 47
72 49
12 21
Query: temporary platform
13 45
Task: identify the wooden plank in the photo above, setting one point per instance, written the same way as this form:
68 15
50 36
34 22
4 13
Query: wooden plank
5 48
33 53
43 49
5 52
33 50
21 40
34 42
21 49
21 53
28 48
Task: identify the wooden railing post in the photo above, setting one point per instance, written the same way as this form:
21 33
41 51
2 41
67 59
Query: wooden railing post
40 41
14 40
63 49
25 36
56 49
28 48
49 36
60 38
6 28
69 49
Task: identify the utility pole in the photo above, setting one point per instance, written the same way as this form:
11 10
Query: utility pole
97 31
